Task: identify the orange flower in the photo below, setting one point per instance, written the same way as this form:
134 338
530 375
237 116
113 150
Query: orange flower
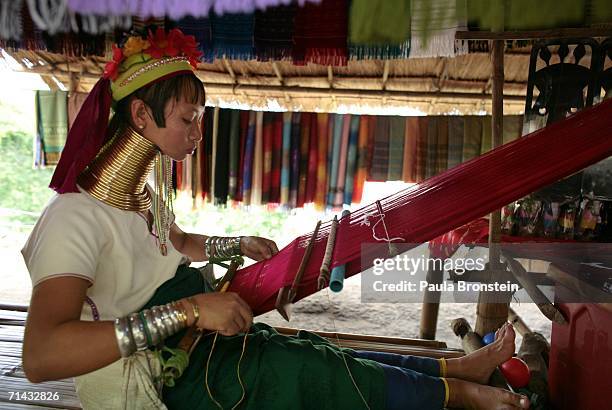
134 45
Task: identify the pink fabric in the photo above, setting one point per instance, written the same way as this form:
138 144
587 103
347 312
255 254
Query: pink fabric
441 203
85 138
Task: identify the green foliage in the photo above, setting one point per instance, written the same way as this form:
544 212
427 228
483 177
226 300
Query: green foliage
22 188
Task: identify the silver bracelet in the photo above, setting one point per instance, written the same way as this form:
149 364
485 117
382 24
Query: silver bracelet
224 247
125 340
138 331
152 327
158 319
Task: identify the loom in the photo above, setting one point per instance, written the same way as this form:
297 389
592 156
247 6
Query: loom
439 204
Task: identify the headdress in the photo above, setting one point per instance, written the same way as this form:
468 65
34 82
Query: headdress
139 61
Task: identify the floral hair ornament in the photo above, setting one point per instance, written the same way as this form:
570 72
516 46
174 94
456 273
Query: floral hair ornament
139 62
142 61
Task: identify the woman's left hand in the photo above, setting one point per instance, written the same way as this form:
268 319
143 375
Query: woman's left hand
258 248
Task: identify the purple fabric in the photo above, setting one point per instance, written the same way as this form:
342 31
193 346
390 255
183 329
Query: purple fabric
174 9
85 138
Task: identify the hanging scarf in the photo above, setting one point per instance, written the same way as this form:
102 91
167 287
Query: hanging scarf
244 128
256 192
201 29
455 140
421 153
313 157
320 33
295 158
396 147
304 145
351 161
362 158
268 131
322 154
52 123
346 128
379 29
277 147
286 160
380 158
410 149
434 24
249 154
222 157
273 32
487 135
335 158
441 157
206 165
232 36
234 153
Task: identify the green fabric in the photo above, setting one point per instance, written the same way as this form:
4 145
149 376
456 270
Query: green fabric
279 372
52 123
376 22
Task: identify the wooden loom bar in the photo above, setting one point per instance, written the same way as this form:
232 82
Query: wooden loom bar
534 34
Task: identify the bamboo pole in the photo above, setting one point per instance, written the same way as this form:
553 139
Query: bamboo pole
431 305
492 310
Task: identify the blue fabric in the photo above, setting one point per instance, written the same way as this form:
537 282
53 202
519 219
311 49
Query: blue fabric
411 382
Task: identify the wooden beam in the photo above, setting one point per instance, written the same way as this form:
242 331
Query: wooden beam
534 34
330 76
230 71
385 75
362 93
278 73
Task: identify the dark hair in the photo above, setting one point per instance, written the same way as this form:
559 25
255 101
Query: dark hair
155 96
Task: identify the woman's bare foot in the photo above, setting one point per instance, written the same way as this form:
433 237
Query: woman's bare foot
477 396
478 366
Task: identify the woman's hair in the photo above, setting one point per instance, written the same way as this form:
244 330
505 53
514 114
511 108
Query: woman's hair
155 96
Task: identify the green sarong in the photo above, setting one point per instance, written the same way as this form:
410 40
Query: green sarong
278 372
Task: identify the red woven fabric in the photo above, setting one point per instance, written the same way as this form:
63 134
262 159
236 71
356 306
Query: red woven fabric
442 203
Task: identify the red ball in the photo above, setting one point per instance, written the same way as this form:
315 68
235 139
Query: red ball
516 372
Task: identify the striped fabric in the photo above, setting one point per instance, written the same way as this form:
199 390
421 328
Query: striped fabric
363 160
222 157
351 161
410 148
380 159
268 131
244 128
249 153
335 158
286 160
322 154
277 146
234 153
256 190
295 158
346 128
313 155
213 165
397 129
304 147
421 152
455 141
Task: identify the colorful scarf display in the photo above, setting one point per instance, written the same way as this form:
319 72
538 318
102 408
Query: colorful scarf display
273 32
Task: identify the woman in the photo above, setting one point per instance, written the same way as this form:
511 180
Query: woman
111 280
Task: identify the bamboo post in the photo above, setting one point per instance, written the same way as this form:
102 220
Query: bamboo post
431 305
491 311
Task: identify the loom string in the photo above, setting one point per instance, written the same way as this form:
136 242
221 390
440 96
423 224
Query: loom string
348 369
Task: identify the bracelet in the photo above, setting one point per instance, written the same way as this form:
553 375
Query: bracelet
125 340
149 327
196 309
224 247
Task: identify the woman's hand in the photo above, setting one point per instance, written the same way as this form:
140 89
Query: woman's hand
225 312
258 248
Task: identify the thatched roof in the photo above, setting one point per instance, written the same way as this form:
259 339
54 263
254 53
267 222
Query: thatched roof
431 85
